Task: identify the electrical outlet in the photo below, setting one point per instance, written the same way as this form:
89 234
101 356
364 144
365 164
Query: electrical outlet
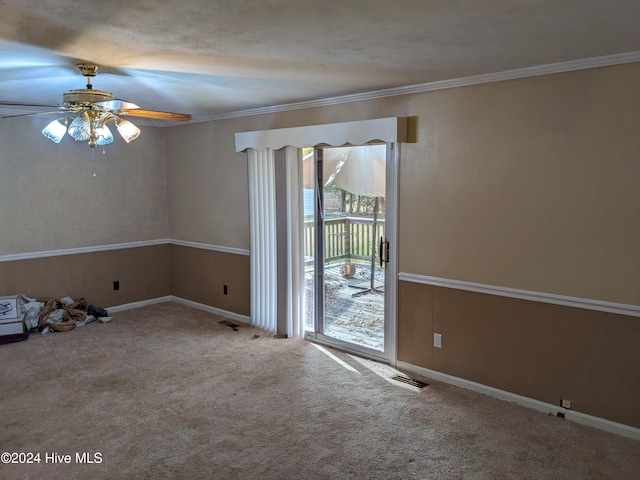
437 340
566 403
116 285
225 290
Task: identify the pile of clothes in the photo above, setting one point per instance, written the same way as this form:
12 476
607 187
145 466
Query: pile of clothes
59 315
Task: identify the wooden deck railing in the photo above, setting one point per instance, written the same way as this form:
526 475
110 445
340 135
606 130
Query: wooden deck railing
344 238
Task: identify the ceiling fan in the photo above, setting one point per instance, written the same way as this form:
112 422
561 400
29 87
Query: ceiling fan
86 112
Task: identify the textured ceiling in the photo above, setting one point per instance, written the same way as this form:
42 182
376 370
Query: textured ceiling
207 57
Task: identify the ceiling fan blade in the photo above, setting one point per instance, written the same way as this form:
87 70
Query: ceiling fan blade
26 105
180 117
32 114
117 104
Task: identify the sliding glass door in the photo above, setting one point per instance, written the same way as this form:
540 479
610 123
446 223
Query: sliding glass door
346 248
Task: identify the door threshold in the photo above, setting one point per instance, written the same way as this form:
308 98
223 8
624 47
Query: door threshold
347 348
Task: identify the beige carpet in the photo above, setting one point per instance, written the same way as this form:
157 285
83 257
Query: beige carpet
167 392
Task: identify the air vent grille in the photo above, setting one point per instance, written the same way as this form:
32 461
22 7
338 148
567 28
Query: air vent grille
408 381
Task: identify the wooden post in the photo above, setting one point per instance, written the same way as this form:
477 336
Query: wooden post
347 238
373 242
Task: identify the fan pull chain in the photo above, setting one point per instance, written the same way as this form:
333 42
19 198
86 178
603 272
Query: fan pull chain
93 152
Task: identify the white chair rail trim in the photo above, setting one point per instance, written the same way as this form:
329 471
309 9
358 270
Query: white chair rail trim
75 251
206 246
589 304
120 246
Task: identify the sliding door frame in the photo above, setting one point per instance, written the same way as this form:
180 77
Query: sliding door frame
391 278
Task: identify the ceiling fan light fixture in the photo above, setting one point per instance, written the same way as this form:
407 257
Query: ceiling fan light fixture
55 130
104 135
127 130
80 128
88 110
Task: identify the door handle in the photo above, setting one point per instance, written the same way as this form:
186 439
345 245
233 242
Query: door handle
384 251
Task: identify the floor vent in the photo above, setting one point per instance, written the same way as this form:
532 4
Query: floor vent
229 324
408 381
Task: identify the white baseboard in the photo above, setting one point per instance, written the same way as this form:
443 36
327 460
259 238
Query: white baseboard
572 415
183 301
208 308
143 303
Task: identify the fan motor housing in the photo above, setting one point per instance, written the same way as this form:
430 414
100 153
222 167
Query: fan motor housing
85 96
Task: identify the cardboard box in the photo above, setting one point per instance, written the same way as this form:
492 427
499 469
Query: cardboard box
9 307
12 328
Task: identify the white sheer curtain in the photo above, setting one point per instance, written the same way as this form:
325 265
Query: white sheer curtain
262 215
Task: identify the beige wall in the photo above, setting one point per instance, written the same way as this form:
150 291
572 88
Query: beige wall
538 350
207 186
49 199
528 184
143 273
200 275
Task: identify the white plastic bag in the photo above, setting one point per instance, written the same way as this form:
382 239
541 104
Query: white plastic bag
31 312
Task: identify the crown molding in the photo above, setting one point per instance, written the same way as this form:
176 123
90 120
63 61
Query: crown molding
551 68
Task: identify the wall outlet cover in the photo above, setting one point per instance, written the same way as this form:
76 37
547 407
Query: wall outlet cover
437 340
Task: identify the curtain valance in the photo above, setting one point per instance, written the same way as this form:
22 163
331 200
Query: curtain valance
388 130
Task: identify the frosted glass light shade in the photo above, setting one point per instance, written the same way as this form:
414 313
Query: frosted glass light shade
104 135
127 130
80 129
55 130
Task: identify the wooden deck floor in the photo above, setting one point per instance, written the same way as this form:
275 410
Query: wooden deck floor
353 313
